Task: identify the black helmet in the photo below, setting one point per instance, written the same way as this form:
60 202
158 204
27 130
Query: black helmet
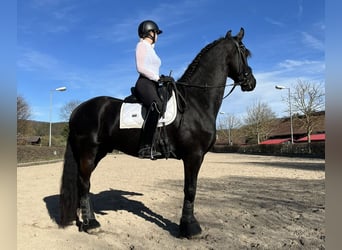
146 26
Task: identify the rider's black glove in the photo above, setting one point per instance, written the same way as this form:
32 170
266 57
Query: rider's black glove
163 79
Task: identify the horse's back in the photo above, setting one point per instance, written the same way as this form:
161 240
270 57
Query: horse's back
89 114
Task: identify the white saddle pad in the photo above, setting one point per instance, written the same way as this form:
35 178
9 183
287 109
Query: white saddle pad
130 114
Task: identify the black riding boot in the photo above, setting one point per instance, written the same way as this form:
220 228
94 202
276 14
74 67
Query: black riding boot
146 150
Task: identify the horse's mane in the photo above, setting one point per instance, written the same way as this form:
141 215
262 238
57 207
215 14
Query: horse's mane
193 66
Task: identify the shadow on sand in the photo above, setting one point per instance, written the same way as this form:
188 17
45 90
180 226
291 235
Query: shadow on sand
115 200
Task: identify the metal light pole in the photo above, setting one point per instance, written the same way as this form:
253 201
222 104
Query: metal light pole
221 113
288 88
50 115
229 123
229 128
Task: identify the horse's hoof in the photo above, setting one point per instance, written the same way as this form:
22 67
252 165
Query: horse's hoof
89 226
189 229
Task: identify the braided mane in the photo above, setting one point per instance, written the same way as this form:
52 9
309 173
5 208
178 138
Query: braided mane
193 66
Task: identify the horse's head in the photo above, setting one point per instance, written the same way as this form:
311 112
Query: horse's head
240 72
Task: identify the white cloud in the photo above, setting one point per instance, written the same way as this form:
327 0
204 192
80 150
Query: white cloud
300 9
33 60
294 64
310 69
274 22
312 41
126 29
46 3
52 16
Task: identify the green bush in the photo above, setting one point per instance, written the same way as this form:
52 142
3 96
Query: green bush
314 149
221 148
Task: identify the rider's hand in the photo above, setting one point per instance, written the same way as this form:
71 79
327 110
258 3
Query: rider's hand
163 79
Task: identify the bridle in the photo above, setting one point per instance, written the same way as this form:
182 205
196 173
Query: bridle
242 78
243 75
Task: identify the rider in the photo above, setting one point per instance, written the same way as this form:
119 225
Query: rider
148 64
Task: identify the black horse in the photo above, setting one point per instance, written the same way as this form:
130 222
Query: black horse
94 130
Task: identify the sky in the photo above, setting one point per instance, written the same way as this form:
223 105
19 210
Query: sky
89 47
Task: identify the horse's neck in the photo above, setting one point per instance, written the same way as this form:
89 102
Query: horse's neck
210 94
210 75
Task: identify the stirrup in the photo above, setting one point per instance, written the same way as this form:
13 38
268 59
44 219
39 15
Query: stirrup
147 152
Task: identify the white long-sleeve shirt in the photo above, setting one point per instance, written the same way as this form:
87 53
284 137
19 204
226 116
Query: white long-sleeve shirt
147 61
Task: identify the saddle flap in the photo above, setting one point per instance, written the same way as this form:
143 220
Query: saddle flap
132 115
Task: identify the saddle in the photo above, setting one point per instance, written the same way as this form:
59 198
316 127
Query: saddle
164 93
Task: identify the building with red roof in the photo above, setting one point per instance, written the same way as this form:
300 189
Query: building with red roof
281 132
275 141
313 138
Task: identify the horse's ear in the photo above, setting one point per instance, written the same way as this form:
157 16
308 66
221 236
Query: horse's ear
229 34
240 35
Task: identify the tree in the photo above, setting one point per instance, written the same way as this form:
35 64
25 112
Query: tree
67 109
65 113
308 98
23 114
259 120
228 125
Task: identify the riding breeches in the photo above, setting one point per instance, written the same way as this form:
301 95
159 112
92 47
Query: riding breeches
146 90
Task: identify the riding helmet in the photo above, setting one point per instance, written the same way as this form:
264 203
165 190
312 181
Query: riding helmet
146 26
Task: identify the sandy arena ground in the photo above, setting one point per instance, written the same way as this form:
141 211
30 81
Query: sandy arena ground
242 202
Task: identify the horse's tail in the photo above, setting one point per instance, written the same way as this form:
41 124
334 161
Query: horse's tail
68 199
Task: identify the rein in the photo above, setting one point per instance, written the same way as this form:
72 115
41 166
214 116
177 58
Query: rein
211 87
180 97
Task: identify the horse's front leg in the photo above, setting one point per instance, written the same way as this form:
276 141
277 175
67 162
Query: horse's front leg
87 212
189 226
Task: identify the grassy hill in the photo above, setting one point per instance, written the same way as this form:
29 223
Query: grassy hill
42 129
29 153
42 152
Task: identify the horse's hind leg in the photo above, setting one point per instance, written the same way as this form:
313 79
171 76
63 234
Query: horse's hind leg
88 163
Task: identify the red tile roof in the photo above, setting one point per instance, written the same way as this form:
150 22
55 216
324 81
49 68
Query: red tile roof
275 141
314 137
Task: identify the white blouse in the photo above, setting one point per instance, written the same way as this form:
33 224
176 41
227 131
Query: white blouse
147 61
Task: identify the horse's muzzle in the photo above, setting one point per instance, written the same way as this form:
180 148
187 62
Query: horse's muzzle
249 83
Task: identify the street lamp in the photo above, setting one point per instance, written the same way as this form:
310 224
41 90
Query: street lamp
288 88
50 116
230 124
